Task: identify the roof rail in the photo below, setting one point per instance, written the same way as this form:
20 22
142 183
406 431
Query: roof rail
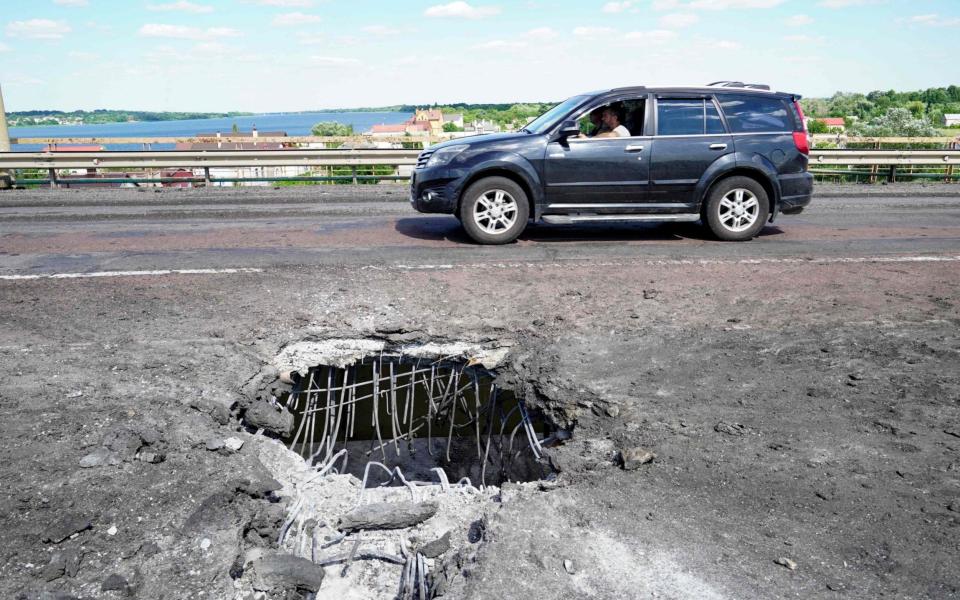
739 84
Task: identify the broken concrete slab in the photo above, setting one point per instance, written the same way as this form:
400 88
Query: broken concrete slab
214 444
632 458
437 547
98 458
282 573
116 583
387 515
54 569
263 415
64 527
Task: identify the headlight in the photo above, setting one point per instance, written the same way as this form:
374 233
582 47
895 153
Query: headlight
445 155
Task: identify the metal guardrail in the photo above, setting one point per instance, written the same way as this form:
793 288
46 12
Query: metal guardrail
206 160
315 158
884 157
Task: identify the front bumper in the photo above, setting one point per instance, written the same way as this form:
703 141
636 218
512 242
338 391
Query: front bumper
435 190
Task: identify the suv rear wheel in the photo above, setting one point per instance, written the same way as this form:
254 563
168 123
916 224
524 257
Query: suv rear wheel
737 209
494 211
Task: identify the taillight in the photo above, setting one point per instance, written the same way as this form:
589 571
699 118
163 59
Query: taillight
802 142
800 138
803 123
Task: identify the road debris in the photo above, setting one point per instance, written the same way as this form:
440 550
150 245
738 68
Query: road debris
387 515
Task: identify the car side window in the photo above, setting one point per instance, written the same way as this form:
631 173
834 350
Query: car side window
755 114
629 114
679 117
714 123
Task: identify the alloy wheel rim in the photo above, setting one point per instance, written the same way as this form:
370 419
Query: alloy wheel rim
495 212
739 210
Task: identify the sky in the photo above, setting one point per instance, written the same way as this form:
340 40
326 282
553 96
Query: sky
294 55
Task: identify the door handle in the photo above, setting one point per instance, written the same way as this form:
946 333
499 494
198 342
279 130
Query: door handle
633 148
718 146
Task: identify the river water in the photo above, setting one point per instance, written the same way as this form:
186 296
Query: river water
292 124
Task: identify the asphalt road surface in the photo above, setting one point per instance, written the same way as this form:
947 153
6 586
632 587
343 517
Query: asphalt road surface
96 230
801 393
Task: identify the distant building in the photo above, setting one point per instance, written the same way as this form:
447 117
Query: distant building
481 126
951 120
423 122
207 141
833 123
210 142
72 148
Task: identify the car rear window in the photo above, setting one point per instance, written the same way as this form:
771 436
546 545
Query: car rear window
687 116
755 114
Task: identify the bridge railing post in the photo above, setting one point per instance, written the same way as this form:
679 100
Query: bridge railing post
6 177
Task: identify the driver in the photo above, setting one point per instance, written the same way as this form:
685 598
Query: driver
611 122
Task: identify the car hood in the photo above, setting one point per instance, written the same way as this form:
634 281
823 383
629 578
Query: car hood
482 139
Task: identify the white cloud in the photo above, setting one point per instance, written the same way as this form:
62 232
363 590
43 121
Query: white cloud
678 20
407 61
716 4
333 61
18 79
295 19
382 30
542 33
81 55
726 45
501 45
592 32
38 29
656 36
74 3
287 3
733 4
461 10
181 6
935 20
804 39
843 3
617 7
799 20
311 38
4 47
183 32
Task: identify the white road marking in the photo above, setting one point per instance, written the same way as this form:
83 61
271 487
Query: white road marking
521 265
130 274
676 262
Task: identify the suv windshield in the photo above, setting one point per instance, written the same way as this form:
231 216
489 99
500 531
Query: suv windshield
545 121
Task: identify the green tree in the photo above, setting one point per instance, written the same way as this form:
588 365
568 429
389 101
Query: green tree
896 122
451 127
917 108
332 129
817 126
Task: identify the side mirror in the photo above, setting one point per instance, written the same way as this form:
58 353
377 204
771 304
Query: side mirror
568 129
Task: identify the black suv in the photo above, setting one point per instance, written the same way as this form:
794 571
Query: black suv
731 155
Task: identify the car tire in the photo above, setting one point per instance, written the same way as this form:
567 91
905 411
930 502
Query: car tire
737 209
494 210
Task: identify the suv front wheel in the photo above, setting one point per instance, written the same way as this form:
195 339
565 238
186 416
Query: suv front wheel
737 209
495 210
